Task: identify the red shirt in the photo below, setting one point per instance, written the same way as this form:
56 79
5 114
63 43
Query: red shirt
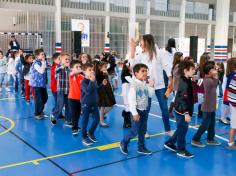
75 82
53 78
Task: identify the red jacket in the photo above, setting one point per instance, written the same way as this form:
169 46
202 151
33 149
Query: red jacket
53 78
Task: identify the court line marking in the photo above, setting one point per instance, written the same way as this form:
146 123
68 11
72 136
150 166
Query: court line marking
12 125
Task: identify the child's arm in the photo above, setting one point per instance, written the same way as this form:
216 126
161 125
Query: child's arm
184 98
41 69
151 90
133 103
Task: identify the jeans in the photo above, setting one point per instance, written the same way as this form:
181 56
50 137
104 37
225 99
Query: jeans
41 98
87 110
15 80
180 132
75 110
208 124
62 100
160 94
220 89
138 128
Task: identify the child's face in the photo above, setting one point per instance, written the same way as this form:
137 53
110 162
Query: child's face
76 69
1 56
189 73
141 74
30 59
213 72
88 72
104 68
41 56
65 60
84 58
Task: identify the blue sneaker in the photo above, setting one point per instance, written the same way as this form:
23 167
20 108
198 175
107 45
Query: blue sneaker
123 148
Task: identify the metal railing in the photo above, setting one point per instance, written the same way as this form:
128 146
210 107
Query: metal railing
197 16
165 13
99 6
40 2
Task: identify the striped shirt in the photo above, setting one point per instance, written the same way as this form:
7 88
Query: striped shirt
62 76
232 91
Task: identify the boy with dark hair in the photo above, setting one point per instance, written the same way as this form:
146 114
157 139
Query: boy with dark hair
75 79
183 109
89 104
210 83
138 103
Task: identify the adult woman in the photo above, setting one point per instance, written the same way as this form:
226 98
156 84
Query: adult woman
156 66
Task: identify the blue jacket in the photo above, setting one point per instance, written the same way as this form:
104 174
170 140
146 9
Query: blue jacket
89 95
37 79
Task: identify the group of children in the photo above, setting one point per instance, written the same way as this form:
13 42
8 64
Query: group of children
81 87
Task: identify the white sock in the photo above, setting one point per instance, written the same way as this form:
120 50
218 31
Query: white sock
231 144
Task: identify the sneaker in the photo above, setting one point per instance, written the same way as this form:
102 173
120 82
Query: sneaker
147 135
185 154
231 147
170 147
227 118
87 142
68 124
123 148
144 151
38 117
92 137
75 131
22 97
170 133
53 120
212 142
197 144
224 121
104 125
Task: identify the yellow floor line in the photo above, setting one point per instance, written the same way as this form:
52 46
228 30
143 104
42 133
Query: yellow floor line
1 99
12 125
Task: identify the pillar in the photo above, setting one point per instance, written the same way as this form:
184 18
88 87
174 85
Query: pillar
107 27
182 19
58 26
147 22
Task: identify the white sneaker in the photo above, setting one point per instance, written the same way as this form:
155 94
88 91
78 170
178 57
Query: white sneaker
147 135
7 89
170 133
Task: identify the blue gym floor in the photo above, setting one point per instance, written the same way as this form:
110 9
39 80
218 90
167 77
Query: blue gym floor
30 147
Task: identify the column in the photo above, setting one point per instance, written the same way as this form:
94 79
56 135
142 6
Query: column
182 19
58 26
132 18
147 22
107 27
209 46
221 31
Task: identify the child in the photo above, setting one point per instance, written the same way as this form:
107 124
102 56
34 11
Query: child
11 70
126 74
232 104
89 98
19 60
208 108
138 103
3 71
106 98
230 71
56 61
38 82
221 73
183 108
74 94
27 76
62 76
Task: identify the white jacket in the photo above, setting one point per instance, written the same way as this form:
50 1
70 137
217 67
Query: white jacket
155 66
11 69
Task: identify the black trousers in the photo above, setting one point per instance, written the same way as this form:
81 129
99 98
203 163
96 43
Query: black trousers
75 110
41 98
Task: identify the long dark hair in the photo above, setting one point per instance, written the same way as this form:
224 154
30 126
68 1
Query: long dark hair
170 45
203 59
149 44
177 59
231 66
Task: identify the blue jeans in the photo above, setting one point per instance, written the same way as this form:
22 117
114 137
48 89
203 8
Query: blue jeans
208 124
138 128
87 110
15 80
180 133
220 89
41 98
62 100
160 94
